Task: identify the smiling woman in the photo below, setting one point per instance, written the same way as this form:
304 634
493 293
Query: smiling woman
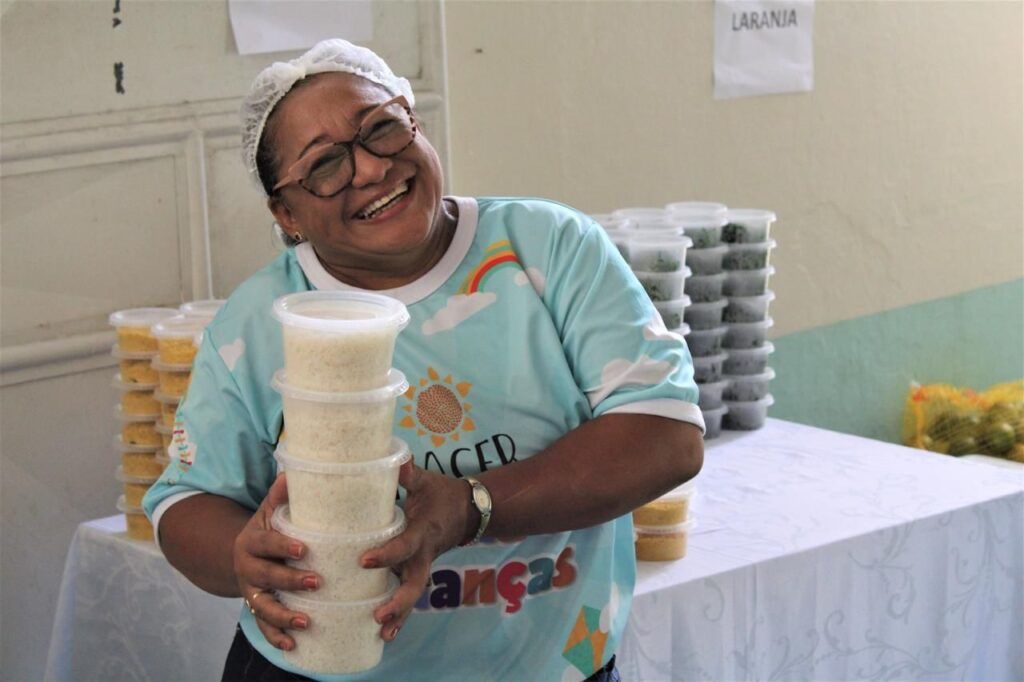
545 405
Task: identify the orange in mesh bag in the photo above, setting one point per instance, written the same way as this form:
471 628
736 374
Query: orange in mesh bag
959 421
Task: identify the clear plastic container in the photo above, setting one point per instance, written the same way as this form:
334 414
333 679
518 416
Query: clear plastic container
703 227
206 308
166 434
747 282
705 288
705 315
335 557
711 394
168 407
339 427
672 312
748 256
670 509
707 261
748 308
712 208
708 369
342 497
703 342
663 286
339 340
663 543
747 225
747 416
747 334
749 387
133 327
612 222
137 399
176 338
620 238
134 486
174 378
138 460
342 637
658 252
135 367
137 524
137 430
713 421
748 361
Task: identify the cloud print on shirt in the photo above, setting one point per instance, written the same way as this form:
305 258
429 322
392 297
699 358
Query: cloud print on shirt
458 309
655 329
621 372
534 277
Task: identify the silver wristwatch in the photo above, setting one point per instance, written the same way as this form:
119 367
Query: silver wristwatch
481 498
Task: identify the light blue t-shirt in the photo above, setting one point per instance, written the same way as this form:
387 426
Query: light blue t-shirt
530 325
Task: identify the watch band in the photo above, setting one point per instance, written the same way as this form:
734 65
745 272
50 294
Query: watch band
480 496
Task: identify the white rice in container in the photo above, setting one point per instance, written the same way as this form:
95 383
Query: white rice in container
338 340
335 557
339 427
342 637
343 497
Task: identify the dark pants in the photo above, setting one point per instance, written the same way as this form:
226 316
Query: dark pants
245 664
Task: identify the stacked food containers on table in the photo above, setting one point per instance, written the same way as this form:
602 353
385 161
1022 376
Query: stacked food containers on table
155 348
341 462
747 271
661 528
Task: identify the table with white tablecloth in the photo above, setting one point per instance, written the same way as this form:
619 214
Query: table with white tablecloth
817 555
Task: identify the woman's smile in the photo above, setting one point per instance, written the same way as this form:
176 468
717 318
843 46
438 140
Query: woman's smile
387 205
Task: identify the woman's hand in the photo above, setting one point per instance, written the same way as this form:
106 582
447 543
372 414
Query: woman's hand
439 517
259 554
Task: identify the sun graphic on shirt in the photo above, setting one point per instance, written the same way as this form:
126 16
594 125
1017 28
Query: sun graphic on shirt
436 407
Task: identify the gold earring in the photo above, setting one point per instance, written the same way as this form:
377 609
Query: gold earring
298 237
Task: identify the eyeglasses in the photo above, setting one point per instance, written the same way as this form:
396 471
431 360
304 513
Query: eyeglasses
327 169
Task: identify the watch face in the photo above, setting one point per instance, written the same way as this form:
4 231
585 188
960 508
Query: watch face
481 498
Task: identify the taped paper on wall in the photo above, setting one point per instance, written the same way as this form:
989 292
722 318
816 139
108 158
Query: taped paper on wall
280 25
763 47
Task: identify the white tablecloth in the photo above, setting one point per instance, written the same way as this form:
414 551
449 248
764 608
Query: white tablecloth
817 556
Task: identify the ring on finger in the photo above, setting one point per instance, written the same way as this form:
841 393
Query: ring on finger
250 603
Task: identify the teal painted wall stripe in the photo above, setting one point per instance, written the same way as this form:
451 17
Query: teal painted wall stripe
853 376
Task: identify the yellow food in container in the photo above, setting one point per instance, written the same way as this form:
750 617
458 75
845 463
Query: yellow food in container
662 543
137 399
136 368
166 434
176 338
134 486
206 308
168 407
137 525
669 509
137 430
139 460
174 378
133 327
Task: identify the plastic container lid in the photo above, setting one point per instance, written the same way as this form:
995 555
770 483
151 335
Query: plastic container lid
164 429
767 296
765 323
713 250
764 402
166 399
120 475
140 317
307 604
753 215
206 308
683 272
712 207
161 366
116 351
282 522
709 305
715 411
179 327
121 416
125 386
660 239
400 454
752 246
767 375
710 359
396 386
698 219
613 223
683 492
766 349
321 310
122 506
710 331
128 447
684 527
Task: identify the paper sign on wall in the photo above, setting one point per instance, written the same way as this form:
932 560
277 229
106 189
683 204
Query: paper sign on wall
279 25
763 47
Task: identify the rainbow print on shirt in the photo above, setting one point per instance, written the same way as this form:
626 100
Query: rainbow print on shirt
499 256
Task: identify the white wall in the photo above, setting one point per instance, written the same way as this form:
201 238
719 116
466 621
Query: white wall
897 180
113 201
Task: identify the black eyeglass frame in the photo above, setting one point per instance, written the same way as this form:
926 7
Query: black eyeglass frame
299 171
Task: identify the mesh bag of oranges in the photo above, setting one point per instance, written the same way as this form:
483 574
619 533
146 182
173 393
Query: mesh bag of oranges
959 421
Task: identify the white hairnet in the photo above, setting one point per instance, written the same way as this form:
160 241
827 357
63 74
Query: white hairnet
274 82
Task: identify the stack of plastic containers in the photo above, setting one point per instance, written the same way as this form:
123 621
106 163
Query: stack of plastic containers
661 528
339 391
138 411
747 271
